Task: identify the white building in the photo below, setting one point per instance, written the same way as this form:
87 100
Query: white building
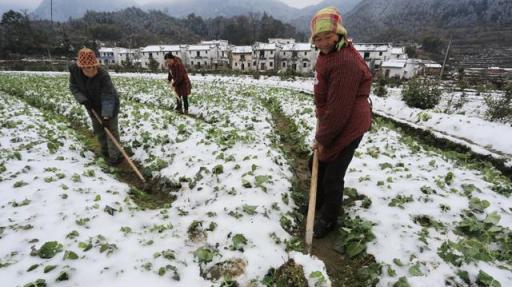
157 53
106 56
401 68
281 41
432 68
373 54
297 57
264 56
241 58
201 56
277 55
396 53
130 55
118 56
376 54
215 43
221 51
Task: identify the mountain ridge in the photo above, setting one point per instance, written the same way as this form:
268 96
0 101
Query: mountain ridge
65 9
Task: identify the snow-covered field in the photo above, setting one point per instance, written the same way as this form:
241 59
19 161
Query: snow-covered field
465 125
64 218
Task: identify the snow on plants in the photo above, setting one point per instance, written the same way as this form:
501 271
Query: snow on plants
436 219
66 218
430 217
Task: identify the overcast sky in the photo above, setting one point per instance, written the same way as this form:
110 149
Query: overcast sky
32 4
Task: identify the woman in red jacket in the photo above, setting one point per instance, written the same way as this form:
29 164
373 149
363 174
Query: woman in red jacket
342 87
179 80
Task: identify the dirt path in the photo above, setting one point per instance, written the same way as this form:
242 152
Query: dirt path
342 271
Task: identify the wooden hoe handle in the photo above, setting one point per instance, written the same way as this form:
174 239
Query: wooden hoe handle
119 147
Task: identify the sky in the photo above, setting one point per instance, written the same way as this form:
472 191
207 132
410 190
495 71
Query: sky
32 4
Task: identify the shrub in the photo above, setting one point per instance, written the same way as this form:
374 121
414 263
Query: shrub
380 90
256 75
499 107
289 74
394 82
421 93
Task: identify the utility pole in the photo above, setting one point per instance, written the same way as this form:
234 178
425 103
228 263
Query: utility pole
51 27
445 58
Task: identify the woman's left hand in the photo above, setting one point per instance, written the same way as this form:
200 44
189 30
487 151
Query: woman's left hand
317 146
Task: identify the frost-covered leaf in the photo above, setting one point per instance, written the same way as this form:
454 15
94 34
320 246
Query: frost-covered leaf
49 249
238 242
204 254
318 277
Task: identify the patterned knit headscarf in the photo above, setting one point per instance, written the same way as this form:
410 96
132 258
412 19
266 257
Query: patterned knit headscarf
327 19
86 58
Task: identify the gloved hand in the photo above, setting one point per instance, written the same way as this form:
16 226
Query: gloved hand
106 122
87 105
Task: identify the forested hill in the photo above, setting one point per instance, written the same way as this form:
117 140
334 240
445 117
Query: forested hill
481 29
132 27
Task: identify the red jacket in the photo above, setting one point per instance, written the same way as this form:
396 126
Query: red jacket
178 73
342 86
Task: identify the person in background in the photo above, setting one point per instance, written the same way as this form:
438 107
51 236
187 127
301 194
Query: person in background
179 81
341 90
92 87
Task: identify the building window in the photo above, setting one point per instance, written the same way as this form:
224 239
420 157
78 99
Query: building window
198 54
271 64
192 63
305 53
305 65
242 57
284 64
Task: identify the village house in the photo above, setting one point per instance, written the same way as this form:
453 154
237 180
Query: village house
130 57
241 58
432 68
201 56
279 54
221 59
373 54
297 57
264 56
157 53
401 68
106 56
281 41
395 53
110 56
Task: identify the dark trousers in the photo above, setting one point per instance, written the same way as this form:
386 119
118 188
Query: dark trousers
330 184
108 149
183 99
